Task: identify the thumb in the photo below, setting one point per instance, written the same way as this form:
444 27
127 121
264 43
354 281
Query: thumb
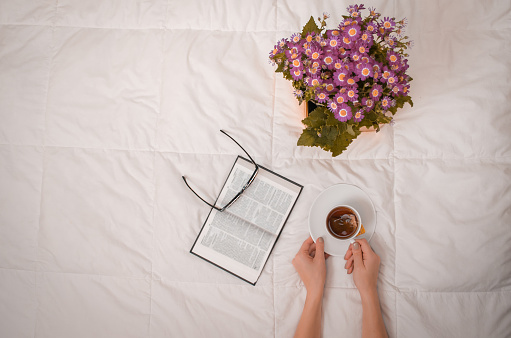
320 249
357 255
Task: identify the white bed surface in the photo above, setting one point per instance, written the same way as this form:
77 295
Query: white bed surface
105 104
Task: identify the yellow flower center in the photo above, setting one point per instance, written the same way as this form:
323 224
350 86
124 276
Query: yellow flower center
296 63
352 32
315 55
375 92
343 112
365 71
386 24
393 58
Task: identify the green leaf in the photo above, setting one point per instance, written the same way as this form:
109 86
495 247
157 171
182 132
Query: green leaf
308 138
329 133
340 144
310 27
331 120
316 118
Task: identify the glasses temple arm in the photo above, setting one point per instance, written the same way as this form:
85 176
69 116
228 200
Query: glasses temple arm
239 145
202 199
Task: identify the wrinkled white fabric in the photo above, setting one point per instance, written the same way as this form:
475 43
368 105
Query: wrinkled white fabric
105 104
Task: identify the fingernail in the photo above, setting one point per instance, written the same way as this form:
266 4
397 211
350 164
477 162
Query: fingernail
356 246
320 239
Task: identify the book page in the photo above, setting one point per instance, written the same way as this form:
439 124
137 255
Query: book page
241 238
265 203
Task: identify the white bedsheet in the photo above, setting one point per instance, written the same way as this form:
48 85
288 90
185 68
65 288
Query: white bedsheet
104 104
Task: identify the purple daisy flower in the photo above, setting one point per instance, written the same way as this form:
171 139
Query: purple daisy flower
316 54
340 77
298 93
343 113
358 116
393 57
333 43
315 64
296 63
365 71
333 33
313 71
376 92
297 73
385 102
367 38
392 80
342 52
396 89
352 80
361 48
295 38
388 23
356 57
332 106
328 60
353 32
347 42
368 103
386 73
337 64
329 85
314 81
352 94
371 28
321 96
340 98
310 37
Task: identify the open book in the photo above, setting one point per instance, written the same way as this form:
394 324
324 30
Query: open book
241 238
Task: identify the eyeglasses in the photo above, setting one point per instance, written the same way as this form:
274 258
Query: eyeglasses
238 195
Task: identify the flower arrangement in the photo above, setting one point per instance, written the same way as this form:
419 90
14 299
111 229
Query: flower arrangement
354 74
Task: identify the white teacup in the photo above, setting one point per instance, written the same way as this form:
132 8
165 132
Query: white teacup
339 223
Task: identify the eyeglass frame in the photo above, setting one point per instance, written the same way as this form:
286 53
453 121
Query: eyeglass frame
238 195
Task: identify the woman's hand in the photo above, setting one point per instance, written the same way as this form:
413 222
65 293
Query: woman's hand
309 262
364 263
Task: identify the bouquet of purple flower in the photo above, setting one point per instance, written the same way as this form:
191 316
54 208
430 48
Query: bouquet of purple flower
354 74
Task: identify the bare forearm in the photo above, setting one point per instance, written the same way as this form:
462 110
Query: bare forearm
310 321
372 319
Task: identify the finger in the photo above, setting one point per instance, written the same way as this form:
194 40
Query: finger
350 270
306 244
312 248
320 249
312 253
366 248
327 256
349 253
357 255
349 263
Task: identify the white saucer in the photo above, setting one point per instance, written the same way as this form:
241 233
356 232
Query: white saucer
331 197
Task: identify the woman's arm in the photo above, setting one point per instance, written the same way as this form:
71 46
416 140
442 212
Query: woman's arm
309 262
365 263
